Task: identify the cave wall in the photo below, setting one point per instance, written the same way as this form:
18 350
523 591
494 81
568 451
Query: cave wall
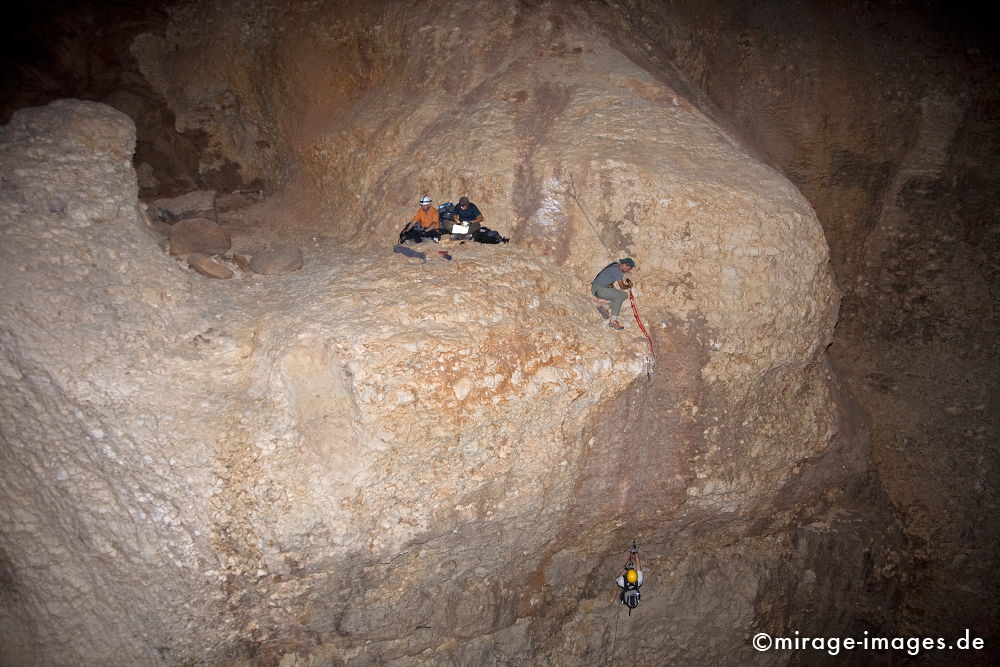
259 471
886 118
313 498
58 49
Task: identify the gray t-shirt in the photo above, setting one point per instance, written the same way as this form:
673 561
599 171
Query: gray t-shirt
608 275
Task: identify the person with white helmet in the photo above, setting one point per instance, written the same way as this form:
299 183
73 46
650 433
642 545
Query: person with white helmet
424 224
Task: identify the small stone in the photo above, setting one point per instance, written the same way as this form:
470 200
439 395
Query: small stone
206 266
242 262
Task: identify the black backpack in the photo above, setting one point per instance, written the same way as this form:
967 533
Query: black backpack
487 235
630 597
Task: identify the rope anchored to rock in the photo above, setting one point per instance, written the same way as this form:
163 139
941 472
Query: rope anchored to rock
638 320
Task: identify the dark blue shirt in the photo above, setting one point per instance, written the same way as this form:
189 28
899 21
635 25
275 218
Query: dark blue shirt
467 214
608 275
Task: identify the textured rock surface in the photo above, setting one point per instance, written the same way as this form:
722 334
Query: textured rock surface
376 459
277 261
887 119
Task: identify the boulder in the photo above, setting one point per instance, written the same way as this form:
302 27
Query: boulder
230 201
197 204
199 235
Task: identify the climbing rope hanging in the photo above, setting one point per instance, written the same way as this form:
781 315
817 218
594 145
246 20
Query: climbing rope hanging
635 311
571 193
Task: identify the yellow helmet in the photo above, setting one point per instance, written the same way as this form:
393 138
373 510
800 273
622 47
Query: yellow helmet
631 576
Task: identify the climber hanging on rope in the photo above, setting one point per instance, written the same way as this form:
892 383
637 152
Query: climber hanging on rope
603 287
630 579
616 297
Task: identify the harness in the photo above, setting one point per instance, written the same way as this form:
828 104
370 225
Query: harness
630 594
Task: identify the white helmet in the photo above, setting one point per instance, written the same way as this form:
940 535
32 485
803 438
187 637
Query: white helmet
425 200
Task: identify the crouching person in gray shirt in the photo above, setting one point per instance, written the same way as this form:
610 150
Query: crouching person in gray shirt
603 287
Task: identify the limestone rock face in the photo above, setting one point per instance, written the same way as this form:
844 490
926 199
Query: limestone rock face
382 460
563 143
89 309
887 120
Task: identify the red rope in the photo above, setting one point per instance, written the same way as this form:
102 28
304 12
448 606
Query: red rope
635 311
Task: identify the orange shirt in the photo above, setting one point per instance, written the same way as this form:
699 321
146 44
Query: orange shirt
427 219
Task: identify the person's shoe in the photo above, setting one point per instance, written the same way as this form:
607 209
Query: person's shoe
435 239
603 312
615 324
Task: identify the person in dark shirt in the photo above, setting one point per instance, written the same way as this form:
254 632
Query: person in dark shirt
603 287
468 213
